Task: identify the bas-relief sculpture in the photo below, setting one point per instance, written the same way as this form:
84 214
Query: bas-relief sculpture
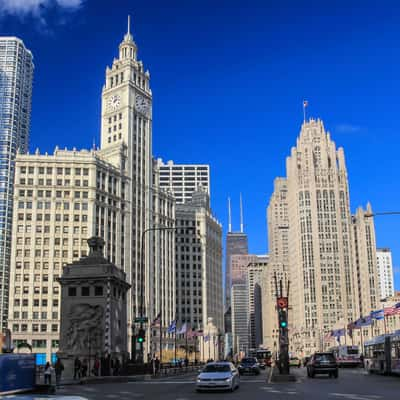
85 329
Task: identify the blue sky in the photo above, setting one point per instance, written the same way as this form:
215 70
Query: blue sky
228 80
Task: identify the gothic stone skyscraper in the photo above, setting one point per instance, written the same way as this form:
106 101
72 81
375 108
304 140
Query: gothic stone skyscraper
323 287
16 75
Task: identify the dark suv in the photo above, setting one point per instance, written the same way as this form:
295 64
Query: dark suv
249 365
322 363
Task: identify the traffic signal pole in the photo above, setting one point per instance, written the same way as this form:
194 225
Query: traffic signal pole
282 307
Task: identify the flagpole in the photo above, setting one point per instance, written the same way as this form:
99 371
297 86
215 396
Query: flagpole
175 346
384 323
160 340
186 345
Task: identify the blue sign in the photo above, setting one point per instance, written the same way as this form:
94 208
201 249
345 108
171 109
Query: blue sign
17 372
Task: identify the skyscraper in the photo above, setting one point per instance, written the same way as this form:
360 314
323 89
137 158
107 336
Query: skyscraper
183 179
321 270
16 76
126 122
236 243
198 263
385 272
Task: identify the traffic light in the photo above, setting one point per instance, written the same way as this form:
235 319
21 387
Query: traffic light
283 319
141 336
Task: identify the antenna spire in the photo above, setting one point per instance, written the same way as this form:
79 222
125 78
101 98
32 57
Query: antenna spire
241 214
129 24
229 215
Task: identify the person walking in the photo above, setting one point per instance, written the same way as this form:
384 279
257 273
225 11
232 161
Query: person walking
58 368
77 368
47 373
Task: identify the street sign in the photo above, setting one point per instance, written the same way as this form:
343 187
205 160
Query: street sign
282 302
141 319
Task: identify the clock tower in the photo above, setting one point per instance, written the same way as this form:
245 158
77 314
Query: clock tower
126 140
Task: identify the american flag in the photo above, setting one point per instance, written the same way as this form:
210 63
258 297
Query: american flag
156 321
190 333
390 311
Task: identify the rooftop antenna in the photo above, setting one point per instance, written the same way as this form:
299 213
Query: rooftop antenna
229 215
241 214
129 24
94 143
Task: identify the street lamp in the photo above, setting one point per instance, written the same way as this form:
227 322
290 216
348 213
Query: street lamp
142 269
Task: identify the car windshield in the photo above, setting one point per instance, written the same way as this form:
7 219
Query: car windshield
352 351
249 360
324 357
217 368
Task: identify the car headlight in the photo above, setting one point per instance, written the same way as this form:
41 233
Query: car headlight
198 379
228 379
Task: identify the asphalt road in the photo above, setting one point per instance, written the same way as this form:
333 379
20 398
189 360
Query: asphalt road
353 384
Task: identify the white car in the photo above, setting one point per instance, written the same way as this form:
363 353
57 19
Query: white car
218 376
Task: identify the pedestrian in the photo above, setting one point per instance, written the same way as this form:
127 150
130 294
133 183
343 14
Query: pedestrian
77 368
59 368
96 367
157 365
117 366
84 368
47 373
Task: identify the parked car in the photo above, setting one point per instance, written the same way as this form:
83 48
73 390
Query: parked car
218 376
294 362
322 363
249 365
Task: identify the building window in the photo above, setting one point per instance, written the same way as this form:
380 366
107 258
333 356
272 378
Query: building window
98 291
85 291
72 291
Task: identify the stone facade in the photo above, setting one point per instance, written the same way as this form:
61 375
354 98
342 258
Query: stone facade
93 309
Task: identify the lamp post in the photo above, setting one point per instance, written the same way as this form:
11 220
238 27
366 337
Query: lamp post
142 269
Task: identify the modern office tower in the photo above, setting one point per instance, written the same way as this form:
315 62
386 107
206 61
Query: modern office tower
183 179
60 201
385 272
126 120
323 287
365 263
255 275
239 266
161 277
198 263
16 76
236 244
278 244
240 318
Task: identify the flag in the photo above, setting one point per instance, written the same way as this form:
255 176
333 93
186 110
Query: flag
183 329
190 334
397 305
156 321
379 314
350 327
206 338
337 333
172 327
305 103
363 321
389 311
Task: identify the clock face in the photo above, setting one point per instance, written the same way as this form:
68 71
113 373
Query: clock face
114 102
142 105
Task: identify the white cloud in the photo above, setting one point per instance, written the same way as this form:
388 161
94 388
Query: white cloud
35 7
348 128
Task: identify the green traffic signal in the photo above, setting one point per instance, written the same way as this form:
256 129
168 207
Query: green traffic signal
283 324
140 340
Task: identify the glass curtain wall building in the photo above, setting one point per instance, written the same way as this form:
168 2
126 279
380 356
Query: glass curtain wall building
16 76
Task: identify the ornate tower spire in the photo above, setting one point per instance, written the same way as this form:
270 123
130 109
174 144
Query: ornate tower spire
127 48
